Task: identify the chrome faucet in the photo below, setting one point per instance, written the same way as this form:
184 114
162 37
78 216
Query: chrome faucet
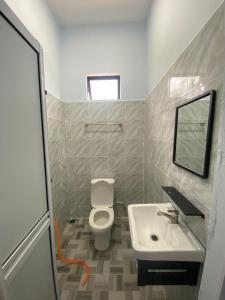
172 215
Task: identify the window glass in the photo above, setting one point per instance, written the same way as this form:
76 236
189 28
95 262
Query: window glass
103 87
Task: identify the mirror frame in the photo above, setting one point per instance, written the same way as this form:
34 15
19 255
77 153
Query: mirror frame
212 94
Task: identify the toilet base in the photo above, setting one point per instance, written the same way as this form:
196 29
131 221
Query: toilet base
102 240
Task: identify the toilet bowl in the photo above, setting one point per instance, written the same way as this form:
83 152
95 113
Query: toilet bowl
102 214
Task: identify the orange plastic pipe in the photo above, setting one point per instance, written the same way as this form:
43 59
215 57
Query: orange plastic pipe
70 260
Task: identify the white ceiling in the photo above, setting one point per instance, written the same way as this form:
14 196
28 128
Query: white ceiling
84 12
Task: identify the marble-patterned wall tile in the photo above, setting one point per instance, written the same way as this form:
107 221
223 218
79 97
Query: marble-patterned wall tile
98 148
116 164
97 112
99 167
78 148
82 211
83 199
134 148
120 211
104 150
133 197
79 182
134 130
116 146
57 156
58 172
200 68
129 183
76 111
56 129
134 165
134 111
116 112
54 108
57 151
76 130
78 166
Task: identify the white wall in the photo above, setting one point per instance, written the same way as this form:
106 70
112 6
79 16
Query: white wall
114 48
172 25
104 48
38 19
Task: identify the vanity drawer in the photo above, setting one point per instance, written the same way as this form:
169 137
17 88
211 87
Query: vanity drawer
167 272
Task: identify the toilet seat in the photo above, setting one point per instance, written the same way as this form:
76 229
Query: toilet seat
101 219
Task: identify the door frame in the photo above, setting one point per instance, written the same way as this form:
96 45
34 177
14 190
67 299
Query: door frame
9 15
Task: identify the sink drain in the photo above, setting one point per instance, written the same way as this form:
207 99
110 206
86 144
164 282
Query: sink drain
154 237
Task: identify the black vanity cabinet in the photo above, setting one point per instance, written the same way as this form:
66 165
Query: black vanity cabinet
167 272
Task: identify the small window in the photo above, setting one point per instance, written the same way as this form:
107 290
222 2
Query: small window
103 87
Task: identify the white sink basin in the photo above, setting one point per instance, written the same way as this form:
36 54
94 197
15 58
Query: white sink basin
175 241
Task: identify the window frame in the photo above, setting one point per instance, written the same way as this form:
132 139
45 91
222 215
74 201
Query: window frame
102 77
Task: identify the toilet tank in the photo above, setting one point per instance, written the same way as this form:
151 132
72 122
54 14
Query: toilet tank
102 192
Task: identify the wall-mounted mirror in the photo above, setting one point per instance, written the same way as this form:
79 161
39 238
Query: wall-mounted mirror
193 134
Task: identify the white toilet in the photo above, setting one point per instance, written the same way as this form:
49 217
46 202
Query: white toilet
102 214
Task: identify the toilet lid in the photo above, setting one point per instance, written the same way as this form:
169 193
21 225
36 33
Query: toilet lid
102 194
